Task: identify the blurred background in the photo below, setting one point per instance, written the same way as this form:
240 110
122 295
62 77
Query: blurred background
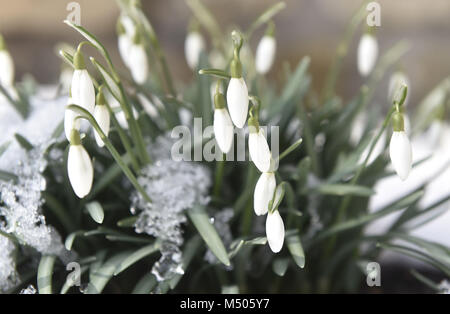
32 28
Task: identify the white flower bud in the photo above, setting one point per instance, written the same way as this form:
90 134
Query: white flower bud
367 54
397 80
223 129
101 115
275 231
265 54
401 154
264 191
69 120
259 150
125 42
83 92
6 69
138 63
193 46
237 99
80 170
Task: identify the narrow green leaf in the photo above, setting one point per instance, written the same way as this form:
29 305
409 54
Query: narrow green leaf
101 274
8 176
399 204
127 222
4 147
23 142
202 222
96 212
45 273
291 148
127 238
137 256
265 17
67 57
344 189
71 238
70 281
113 87
295 247
145 285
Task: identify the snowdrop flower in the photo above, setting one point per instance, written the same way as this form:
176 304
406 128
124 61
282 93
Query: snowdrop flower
265 53
367 54
193 46
397 80
79 166
237 93
223 127
137 61
70 121
148 106
400 148
275 231
82 90
258 147
264 191
101 115
6 66
125 41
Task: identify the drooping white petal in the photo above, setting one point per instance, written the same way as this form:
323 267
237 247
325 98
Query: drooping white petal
101 114
275 231
6 68
80 170
264 191
193 46
65 78
83 92
125 42
397 80
237 99
367 54
265 54
138 63
401 154
259 150
223 129
69 120
129 25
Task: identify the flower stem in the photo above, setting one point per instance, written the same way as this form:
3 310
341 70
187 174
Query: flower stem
86 115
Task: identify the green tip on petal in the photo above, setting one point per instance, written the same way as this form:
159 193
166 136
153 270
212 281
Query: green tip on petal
75 138
236 68
253 125
78 61
270 30
398 122
120 29
101 100
2 43
219 101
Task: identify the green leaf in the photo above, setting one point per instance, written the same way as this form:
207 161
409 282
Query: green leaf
71 238
96 211
8 176
145 285
399 204
280 266
127 238
137 256
4 147
45 273
277 197
67 57
100 274
239 243
290 149
113 87
202 222
23 142
127 222
344 189
70 280
265 17
296 249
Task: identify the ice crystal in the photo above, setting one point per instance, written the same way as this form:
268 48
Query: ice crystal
444 287
173 187
221 222
21 202
8 276
29 290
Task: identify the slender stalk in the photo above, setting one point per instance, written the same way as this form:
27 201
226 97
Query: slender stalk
86 115
218 177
